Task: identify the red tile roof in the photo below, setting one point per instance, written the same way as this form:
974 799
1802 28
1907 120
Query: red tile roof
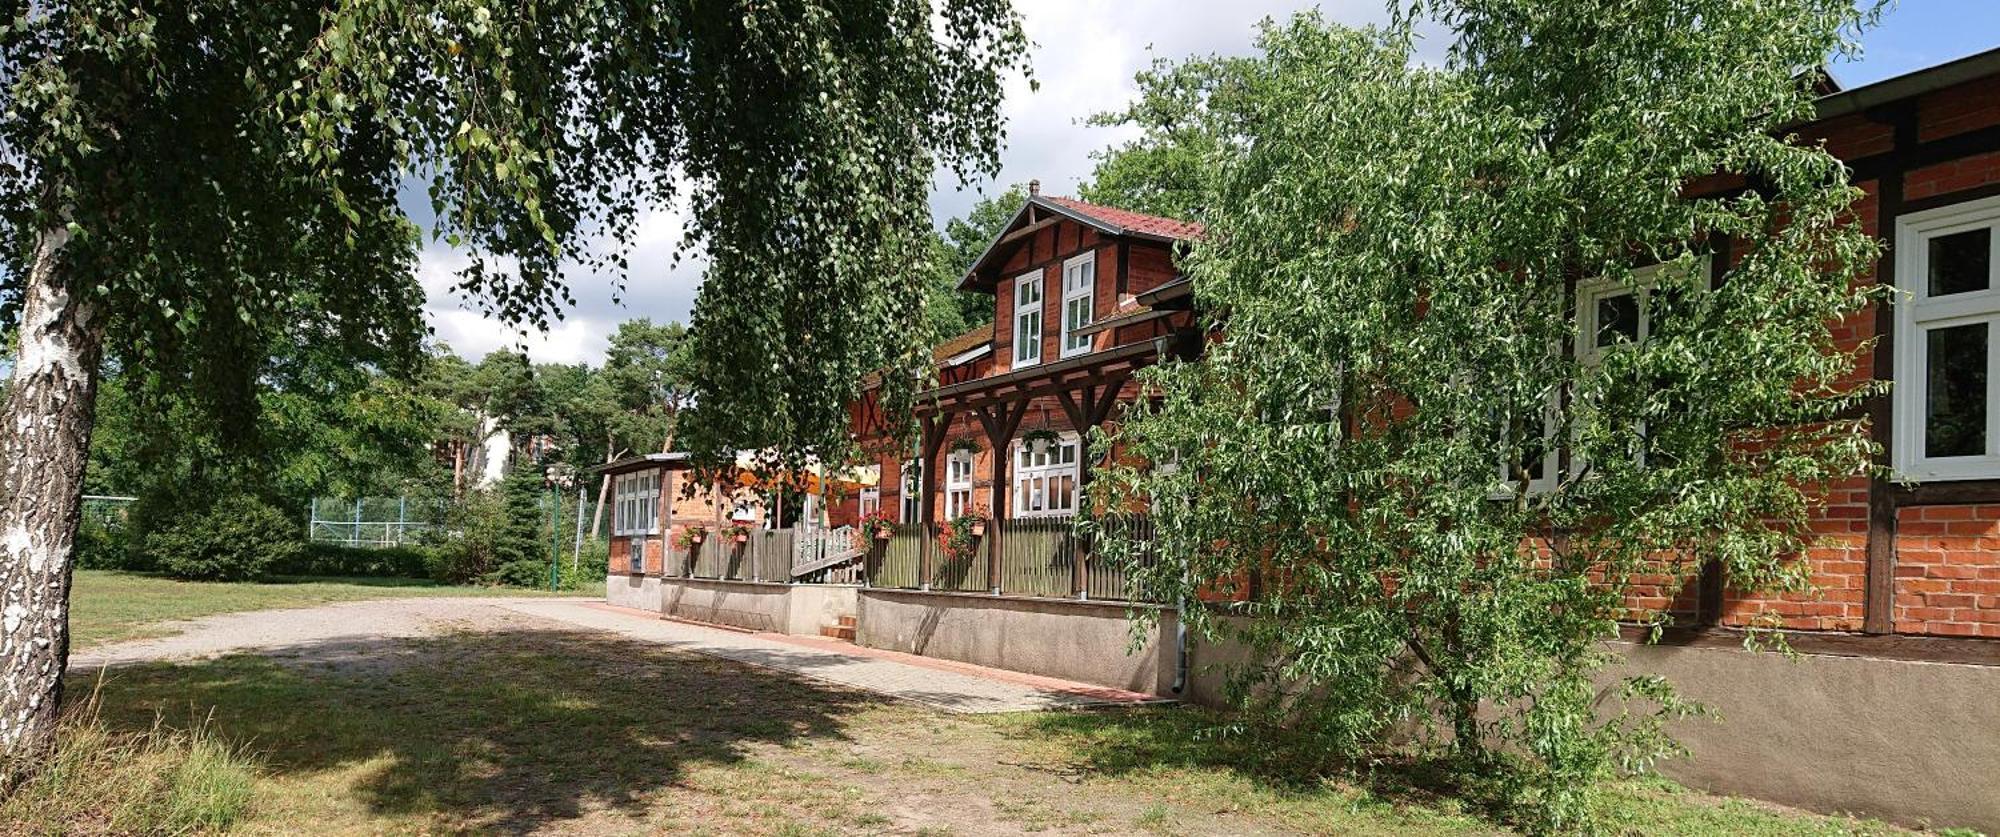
1130 221
971 339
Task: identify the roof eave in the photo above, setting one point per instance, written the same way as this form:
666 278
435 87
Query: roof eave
971 282
675 461
1909 85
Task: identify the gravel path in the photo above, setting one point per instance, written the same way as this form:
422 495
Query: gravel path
324 630
951 687
350 634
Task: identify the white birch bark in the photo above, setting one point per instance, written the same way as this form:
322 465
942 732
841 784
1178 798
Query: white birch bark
44 439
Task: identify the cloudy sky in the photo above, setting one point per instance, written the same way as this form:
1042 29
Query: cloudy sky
1086 52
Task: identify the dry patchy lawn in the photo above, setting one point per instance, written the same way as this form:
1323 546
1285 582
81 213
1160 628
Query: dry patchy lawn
525 727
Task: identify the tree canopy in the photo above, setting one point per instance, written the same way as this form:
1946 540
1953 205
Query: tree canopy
962 241
1487 364
185 178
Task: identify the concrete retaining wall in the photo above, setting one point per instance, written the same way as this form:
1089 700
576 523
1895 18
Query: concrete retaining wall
759 606
1910 742
633 591
1089 642
1916 743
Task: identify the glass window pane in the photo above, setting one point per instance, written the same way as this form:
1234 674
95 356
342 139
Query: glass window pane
1961 262
1617 319
1955 391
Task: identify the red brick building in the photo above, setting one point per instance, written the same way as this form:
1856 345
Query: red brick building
1084 295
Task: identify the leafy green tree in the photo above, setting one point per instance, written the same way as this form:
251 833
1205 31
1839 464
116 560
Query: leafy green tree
1399 248
1190 116
323 427
952 311
182 179
648 380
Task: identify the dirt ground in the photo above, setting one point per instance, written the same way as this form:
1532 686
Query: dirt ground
450 716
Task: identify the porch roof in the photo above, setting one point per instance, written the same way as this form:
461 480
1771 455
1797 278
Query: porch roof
1040 379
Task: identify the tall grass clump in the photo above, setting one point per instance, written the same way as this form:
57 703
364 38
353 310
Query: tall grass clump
105 781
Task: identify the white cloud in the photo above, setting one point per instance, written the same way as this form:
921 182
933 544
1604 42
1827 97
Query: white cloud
1085 55
655 288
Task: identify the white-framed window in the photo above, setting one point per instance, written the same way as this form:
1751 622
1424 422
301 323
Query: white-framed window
1612 314
912 507
1079 295
635 503
1948 267
957 483
1537 457
1028 319
1045 478
869 499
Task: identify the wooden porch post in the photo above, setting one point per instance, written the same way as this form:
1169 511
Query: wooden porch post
1087 407
1000 427
934 427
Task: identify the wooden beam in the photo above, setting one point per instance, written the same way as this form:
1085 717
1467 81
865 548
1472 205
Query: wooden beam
1977 651
1026 231
1077 413
1711 585
1107 400
1879 596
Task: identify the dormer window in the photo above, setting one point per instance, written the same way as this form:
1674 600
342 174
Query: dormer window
1079 297
1028 319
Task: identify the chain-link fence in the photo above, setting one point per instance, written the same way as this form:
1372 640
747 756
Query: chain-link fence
106 510
370 521
377 522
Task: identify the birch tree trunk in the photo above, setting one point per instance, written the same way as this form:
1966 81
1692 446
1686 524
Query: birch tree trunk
44 438
603 492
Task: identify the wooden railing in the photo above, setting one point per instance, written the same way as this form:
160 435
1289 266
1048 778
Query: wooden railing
1030 557
768 555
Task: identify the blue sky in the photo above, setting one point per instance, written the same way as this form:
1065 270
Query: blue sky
1086 52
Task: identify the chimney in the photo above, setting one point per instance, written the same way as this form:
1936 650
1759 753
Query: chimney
1034 188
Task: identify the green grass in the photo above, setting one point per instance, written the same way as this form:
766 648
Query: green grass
1174 753
156 781
514 727
108 606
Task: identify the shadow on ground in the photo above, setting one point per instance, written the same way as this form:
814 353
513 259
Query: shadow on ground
502 731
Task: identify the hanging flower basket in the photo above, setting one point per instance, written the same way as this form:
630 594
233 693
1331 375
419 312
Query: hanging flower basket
737 532
960 537
964 444
1039 441
691 536
879 525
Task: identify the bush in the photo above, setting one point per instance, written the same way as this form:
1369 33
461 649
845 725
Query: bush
238 539
589 569
464 553
102 547
100 781
382 562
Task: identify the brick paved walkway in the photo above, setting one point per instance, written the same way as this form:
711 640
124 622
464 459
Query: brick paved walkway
942 684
